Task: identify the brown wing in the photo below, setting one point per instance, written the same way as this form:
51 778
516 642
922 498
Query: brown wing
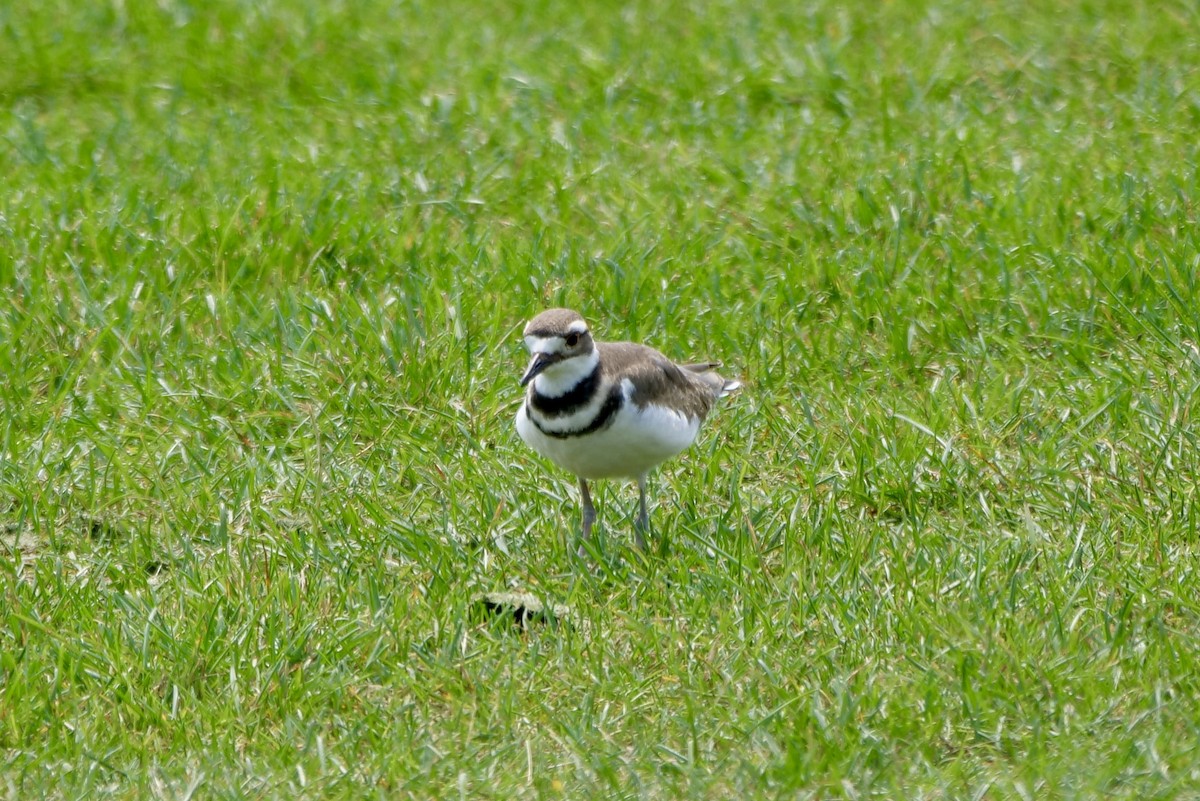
658 380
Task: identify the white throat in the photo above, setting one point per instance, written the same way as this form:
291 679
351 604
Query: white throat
559 379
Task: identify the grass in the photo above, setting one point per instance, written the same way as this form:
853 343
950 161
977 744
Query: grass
265 264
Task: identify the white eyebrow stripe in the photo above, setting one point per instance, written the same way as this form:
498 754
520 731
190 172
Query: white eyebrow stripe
577 327
543 344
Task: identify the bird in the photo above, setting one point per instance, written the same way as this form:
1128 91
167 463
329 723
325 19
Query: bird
604 410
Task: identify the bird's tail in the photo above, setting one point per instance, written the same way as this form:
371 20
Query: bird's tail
722 386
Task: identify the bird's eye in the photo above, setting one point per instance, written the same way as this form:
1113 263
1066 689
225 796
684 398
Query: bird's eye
572 340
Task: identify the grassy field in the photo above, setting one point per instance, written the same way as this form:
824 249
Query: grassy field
265 265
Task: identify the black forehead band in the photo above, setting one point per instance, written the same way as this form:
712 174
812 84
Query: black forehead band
546 333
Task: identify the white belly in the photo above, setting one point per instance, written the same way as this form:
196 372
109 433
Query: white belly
635 442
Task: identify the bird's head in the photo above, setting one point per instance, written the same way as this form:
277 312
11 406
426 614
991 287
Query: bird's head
561 346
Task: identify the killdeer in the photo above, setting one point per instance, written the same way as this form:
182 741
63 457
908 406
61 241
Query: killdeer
609 409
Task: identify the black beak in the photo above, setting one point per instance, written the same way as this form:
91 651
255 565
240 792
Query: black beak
539 363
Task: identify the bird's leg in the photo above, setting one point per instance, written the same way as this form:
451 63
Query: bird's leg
589 516
642 525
